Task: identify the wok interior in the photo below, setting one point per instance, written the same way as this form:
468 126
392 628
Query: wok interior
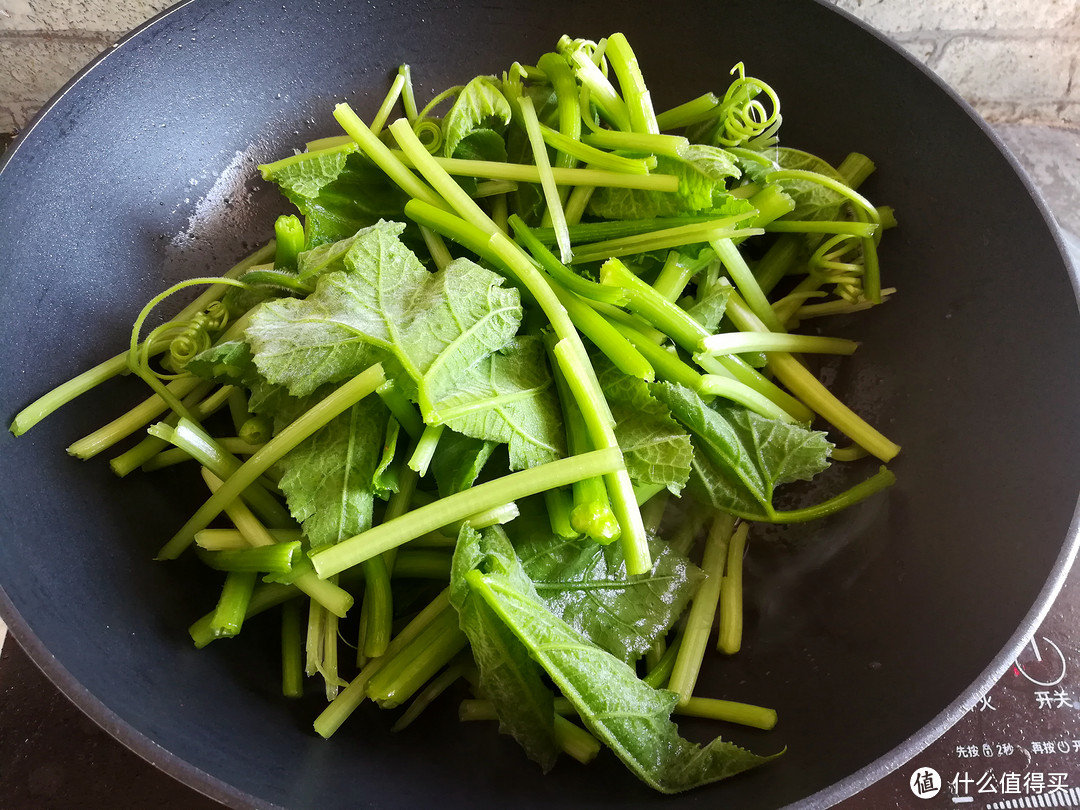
859 632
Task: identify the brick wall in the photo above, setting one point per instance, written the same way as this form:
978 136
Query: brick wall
1015 66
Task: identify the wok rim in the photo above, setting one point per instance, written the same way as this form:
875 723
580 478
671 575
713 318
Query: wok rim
220 791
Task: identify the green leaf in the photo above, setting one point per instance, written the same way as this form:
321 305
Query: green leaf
812 200
338 193
325 258
585 584
482 144
304 176
741 457
698 194
458 461
509 678
655 447
429 329
709 307
480 105
711 161
508 397
384 481
327 479
630 717
232 363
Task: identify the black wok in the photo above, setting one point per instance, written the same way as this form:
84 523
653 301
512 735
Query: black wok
141 172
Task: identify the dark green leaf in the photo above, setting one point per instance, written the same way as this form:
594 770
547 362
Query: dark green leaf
327 479
458 461
509 678
338 193
656 448
630 717
812 200
508 397
480 105
741 457
429 329
586 585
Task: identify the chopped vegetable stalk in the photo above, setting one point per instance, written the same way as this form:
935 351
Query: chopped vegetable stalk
796 377
729 637
275 559
417 662
377 608
729 711
289 235
392 96
264 597
571 738
689 112
403 410
147 453
559 505
591 514
292 669
596 158
459 506
120 428
425 449
228 539
699 620
197 443
232 607
447 678
330 596
710 231
343 398
659 675
527 173
547 178
736 342
353 695
635 94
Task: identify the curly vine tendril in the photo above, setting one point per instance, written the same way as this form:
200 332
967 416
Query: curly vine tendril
192 333
746 119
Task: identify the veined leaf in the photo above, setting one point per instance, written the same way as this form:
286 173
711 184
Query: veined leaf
656 448
480 105
741 457
429 329
630 717
327 479
338 192
232 363
384 481
697 194
586 585
711 161
458 461
509 397
509 678
709 308
812 200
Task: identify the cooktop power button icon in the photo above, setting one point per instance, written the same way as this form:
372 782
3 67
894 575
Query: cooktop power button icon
1042 663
